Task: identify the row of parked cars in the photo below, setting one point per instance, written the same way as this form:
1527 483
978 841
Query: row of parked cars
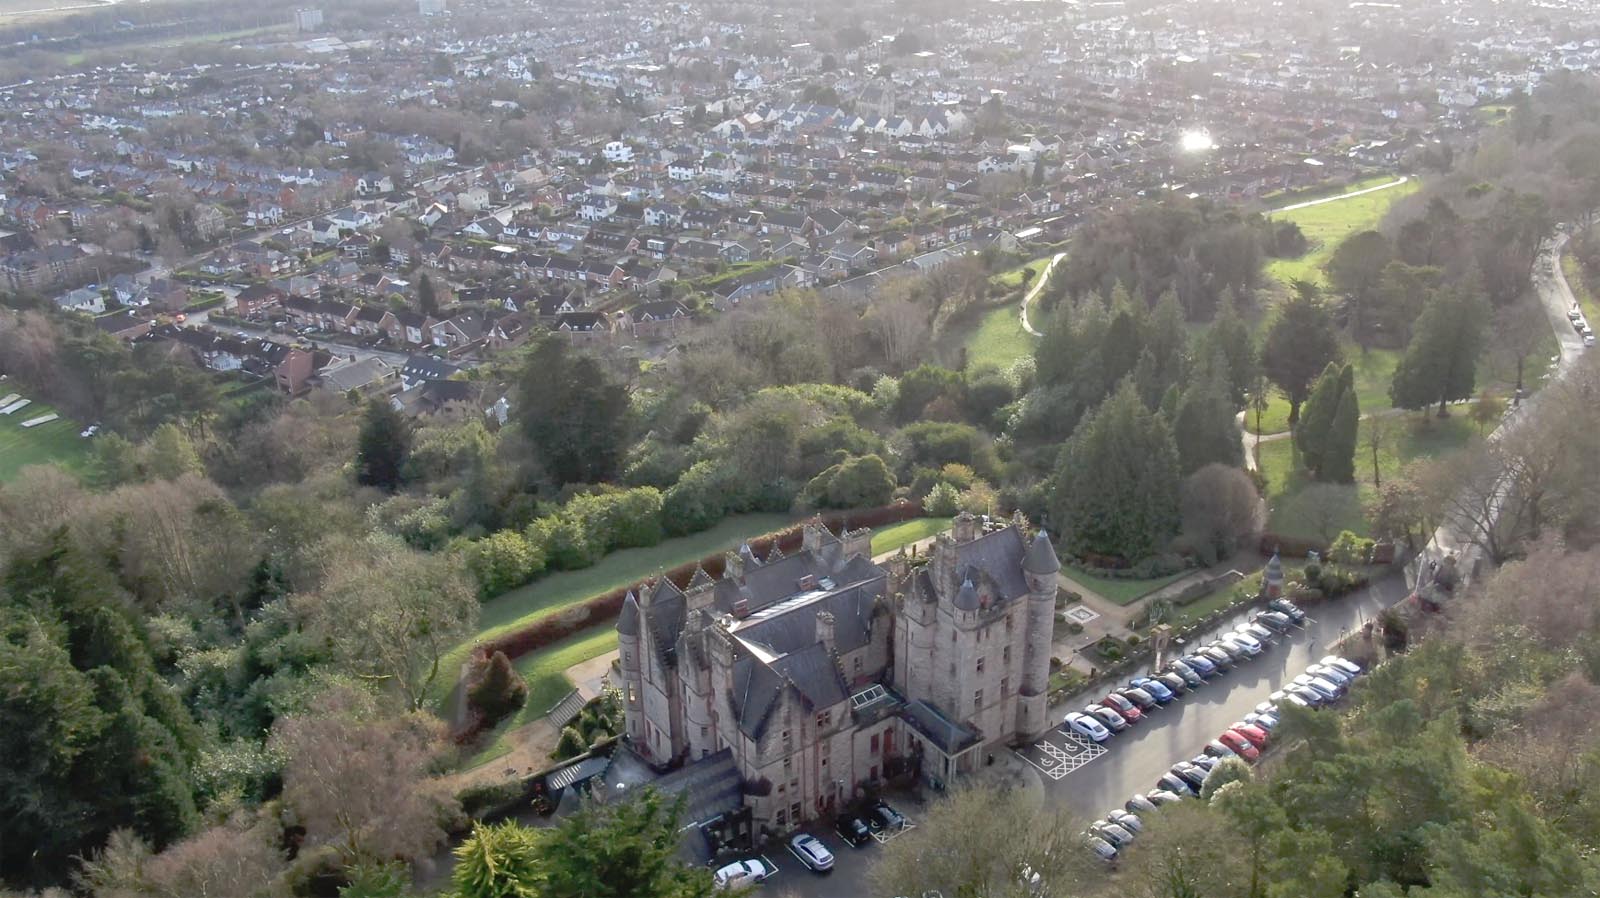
1125 707
1323 683
1575 315
856 830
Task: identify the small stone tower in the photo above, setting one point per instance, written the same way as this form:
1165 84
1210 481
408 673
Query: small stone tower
632 675
1040 566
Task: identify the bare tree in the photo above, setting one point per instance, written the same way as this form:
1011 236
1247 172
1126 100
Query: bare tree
1519 330
360 784
1375 431
901 328
237 859
1221 507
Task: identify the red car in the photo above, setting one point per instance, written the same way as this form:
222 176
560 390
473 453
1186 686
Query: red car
1129 711
1257 736
1240 745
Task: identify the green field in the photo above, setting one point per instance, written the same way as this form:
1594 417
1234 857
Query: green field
1374 369
1118 591
999 339
545 672
56 442
905 533
1013 277
1325 226
1293 514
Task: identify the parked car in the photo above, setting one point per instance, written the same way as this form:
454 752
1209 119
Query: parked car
1334 675
1120 704
1245 643
1126 820
1200 664
1173 681
1262 634
1342 664
1190 676
1284 606
1327 690
1102 849
1157 689
1085 725
1234 653
1160 797
854 831
1257 735
1574 313
886 818
1140 803
1216 748
1138 696
1192 776
1223 660
1113 721
1292 697
1112 833
1266 720
1241 746
811 852
1171 783
1204 762
1274 620
743 873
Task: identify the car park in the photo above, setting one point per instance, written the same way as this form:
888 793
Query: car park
884 817
1200 664
1126 820
811 852
1113 721
1140 803
743 873
1284 606
1159 797
1190 676
1120 704
1086 726
1102 849
1112 833
1257 736
1351 667
854 831
1173 681
1138 696
1240 746
1157 689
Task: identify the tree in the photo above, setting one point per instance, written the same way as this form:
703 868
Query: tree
1401 509
382 446
1190 855
1229 337
572 412
498 691
1115 490
1355 270
1205 428
1339 450
627 846
426 299
1375 436
1227 772
1519 331
1300 343
390 613
1487 411
503 560
979 840
857 482
360 783
498 860
1440 364
1220 508
1323 403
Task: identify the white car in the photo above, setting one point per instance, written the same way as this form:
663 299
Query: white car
1086 726
1342 664
1267 720
1126 820
1334 675
1327 690
742 873
811 852
1113 721
1292 696
89 431
1245 643
1262 634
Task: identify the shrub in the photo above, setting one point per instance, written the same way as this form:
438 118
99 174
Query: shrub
570 745
499 691
942 500
1133 640
482 798
503 560
1350 549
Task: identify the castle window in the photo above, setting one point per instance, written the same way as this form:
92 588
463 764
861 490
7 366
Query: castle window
824 719
874 743
787 763
1008 623
633 696
788 742
952 636
980 665
783 819
855 665
703 732
1006 655
1005 686
794 812
977 699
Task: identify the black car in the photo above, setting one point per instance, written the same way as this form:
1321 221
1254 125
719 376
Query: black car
854 830
1177 785
1284 606
885 817
1190 774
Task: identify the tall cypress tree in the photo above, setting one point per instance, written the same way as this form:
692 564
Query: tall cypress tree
1339 449
1116 486
426 297
1312 430
382 446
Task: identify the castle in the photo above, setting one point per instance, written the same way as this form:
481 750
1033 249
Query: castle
823 672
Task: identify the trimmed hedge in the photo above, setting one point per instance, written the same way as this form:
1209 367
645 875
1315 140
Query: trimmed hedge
554 627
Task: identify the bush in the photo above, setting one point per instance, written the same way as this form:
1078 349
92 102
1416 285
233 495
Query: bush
503 560
1133 640
499 691
1350 549
484 798
570 745
941 501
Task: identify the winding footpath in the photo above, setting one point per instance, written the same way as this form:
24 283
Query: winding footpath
1340 196
1027 298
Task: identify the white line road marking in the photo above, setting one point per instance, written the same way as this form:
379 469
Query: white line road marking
1072 752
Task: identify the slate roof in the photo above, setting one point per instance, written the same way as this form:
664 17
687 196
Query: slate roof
628 621
1041 556
950 737
852 615
1000 555
665 615
758 686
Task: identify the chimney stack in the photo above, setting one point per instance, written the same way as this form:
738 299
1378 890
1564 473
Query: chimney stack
825 631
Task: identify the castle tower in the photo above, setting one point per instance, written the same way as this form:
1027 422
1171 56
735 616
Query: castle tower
1040 566
628 631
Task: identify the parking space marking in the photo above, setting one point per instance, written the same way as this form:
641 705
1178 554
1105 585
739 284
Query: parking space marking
1061 753
883 836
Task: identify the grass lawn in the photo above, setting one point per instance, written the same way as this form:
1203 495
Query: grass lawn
1374 369
1292 514
546 595
1325 226
57 441
1580 289
999 339
545 671
1222 598
905 533
1013 277
1120 592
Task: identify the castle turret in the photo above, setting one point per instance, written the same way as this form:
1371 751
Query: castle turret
628 633
1040 566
